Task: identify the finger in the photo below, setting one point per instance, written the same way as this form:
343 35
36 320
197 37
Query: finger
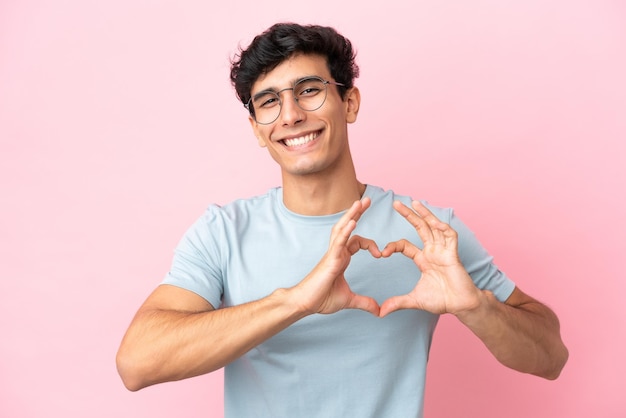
340 236
365 204
441 230
435 223
340 232
401 246
436 226
357 209
422 210
351 214
364 303
354 213
357 242
396 303
422 227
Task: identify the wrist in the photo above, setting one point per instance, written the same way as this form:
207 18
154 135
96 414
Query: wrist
481 307
289 299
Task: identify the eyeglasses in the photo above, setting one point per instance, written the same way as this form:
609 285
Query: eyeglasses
309 93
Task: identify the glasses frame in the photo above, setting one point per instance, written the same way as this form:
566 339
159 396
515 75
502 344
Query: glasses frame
250 106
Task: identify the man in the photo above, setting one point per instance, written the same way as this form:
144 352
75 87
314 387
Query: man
276 289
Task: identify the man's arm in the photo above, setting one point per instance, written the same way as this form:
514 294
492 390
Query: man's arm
522 333
177 334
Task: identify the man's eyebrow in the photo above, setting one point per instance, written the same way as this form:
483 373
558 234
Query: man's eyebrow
273 89
263 92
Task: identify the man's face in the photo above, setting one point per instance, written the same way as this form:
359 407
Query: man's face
306 142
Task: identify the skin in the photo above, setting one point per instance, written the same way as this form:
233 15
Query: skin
318 178
176 334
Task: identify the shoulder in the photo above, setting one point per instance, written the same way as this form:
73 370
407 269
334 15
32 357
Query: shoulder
218 221
241 208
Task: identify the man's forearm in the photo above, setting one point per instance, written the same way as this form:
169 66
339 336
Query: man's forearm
164 345
525 336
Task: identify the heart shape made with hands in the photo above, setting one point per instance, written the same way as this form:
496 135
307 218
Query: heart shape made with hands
444 287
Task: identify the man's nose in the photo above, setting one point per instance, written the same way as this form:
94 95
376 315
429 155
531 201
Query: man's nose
291 112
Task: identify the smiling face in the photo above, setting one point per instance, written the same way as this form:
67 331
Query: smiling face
306 143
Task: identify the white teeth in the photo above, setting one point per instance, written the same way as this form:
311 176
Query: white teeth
292 142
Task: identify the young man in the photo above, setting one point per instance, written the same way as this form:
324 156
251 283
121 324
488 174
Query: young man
276 289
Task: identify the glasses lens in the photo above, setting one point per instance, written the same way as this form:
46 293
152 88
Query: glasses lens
266 107
310 93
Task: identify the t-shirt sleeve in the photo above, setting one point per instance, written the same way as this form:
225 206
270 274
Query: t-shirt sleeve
196 265
479 263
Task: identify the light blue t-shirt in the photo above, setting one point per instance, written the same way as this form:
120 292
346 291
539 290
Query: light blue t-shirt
348 364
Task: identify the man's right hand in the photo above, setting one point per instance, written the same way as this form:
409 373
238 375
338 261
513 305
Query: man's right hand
325 290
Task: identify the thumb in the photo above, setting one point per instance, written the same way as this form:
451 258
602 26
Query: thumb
396 303
364 303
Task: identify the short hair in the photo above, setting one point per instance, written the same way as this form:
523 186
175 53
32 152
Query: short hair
283 40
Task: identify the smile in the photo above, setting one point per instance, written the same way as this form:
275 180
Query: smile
305 139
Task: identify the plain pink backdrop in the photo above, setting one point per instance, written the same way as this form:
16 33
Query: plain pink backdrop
118 126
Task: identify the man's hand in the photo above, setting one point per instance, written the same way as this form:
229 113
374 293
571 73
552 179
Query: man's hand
445 285
325 289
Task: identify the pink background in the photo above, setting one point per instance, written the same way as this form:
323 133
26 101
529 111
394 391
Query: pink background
118 126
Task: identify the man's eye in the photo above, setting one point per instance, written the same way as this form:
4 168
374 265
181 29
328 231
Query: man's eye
266 101
309 91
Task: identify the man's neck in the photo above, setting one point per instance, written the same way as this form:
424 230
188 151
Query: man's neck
315 196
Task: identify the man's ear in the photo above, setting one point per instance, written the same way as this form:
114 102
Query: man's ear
353 103
255 129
